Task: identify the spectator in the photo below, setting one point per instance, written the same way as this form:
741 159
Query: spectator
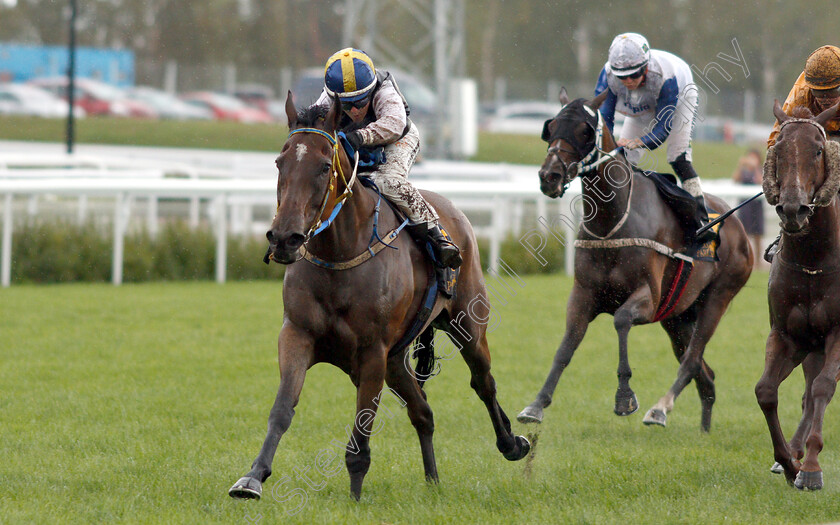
749 171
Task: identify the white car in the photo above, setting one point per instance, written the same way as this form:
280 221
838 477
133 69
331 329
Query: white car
525 118
23 99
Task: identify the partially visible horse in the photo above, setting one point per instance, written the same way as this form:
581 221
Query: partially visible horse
628 262
345 307
801 179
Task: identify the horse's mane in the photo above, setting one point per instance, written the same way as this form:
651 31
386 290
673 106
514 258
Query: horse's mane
312 117
801 112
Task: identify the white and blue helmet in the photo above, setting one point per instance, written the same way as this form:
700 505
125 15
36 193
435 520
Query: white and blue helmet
629 53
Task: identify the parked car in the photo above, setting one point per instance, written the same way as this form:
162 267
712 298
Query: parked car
97 98
168 106
22 99
521 117
226 107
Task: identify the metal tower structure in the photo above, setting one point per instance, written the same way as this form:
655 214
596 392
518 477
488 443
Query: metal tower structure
434 50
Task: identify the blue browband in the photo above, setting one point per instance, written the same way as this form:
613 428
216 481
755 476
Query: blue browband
317 131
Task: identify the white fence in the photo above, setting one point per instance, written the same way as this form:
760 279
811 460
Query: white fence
233 184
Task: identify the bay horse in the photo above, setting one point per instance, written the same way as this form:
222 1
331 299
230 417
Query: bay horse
627 263
801 179
350 314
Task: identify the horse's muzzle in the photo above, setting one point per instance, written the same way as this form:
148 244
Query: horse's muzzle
794 216
284 248
550 184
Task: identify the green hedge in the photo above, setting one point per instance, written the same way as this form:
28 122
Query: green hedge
56 251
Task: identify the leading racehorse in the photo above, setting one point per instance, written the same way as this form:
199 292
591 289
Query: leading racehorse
628 262
353 299
801 179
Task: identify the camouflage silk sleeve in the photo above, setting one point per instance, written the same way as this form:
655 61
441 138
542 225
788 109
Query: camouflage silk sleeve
390 118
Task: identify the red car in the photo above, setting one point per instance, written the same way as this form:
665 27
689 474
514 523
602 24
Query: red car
97 98
226 107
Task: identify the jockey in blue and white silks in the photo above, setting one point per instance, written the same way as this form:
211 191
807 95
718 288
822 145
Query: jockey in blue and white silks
655 91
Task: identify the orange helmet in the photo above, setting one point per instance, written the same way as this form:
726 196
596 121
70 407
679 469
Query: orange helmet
822 70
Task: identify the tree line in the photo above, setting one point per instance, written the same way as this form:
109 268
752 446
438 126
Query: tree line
519 40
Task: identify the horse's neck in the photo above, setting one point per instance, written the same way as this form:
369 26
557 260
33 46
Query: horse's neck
609 192
350 231
821 243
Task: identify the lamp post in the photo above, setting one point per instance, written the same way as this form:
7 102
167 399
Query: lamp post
71 78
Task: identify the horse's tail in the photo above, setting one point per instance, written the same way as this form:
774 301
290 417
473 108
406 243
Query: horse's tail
424 352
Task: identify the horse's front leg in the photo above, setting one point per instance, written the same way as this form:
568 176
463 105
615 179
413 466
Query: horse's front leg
638 308
580 311
295 352
822 390
371 378
779 362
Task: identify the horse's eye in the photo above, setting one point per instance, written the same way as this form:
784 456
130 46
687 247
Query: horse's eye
819 152
325 169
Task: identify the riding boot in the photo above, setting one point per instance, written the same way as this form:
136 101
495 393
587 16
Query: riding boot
703 219
691 183
446 252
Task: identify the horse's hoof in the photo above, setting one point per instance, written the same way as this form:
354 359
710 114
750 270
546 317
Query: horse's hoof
655 416
523 446
246 488
809 480
530 414
626 405
777 468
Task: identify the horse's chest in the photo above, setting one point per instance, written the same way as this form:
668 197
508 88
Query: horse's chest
805 311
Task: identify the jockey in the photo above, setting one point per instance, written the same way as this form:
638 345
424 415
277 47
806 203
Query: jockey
817 88
377 113
656 92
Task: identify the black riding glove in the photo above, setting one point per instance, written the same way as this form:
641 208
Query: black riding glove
355 139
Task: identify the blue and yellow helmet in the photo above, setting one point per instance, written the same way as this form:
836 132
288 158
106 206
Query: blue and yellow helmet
349 74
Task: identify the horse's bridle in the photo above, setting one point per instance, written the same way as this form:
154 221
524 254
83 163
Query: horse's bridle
320 224
811 205
591 160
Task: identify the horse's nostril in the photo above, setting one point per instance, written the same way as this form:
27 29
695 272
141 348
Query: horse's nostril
269 235
294 241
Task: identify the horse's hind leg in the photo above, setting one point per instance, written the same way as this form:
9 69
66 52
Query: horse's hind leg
811 366
471 339
822 390
371 377
709 313
637 308
295 356
679 330
779 362
579 313
401 380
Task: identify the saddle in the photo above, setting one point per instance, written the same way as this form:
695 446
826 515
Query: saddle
685 208
445 278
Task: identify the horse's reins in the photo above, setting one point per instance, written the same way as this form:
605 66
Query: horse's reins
590 162
320 224
796 266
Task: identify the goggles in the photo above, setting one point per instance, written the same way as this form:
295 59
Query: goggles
632 76
826 93
347 105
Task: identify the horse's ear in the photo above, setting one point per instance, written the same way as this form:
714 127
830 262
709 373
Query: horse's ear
291 112
333 117
827 115
596 102
546 133
563 97
781 116
769 183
